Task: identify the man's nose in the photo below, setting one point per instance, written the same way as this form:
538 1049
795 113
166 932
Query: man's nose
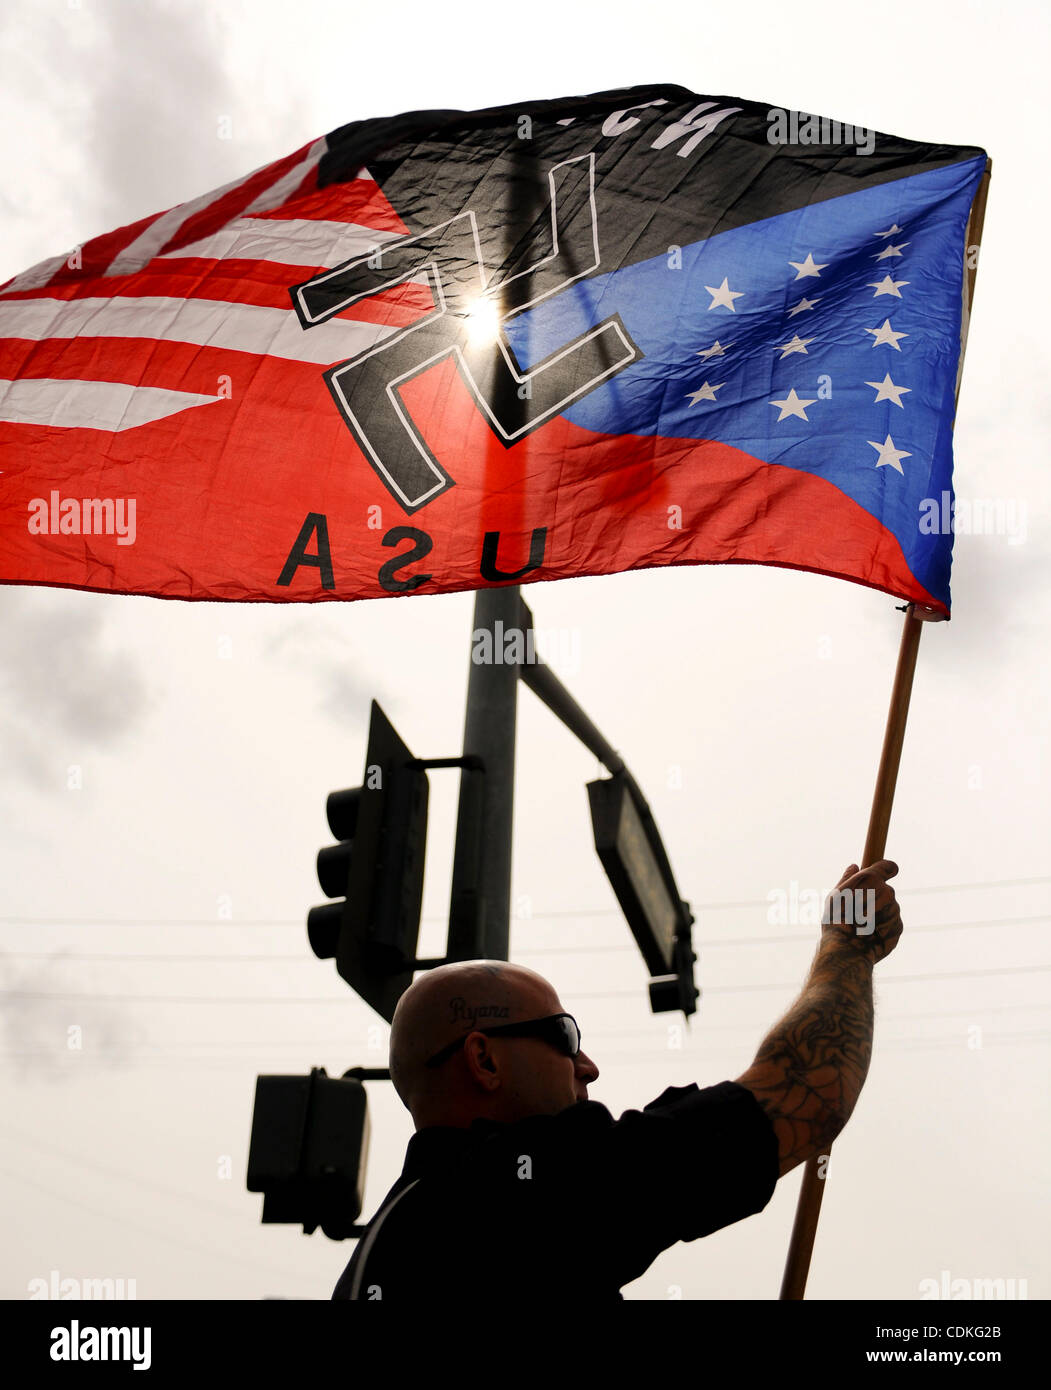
586 1068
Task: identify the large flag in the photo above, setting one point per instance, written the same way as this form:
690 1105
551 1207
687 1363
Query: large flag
446 350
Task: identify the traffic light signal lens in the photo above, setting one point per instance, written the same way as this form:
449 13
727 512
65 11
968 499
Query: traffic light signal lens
333 869
342 810
323 924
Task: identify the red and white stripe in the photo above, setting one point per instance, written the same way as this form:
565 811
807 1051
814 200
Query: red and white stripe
134 290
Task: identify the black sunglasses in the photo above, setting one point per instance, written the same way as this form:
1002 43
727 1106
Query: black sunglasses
560 1030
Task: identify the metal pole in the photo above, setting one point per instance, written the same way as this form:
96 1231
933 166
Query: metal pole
480 907
546 686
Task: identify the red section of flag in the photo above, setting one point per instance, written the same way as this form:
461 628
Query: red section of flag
358 201
608 503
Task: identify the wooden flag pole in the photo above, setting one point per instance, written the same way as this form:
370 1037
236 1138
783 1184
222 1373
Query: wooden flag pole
801 1246
808 1207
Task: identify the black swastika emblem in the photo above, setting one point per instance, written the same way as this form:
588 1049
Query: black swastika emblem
561 249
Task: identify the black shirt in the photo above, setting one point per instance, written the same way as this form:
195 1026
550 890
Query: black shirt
574 1204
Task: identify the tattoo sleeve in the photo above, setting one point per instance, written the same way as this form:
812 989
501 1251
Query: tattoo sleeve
810 1068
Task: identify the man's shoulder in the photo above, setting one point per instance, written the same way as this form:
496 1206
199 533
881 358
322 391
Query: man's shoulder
692 1097
679 1115
583 1117
592 1117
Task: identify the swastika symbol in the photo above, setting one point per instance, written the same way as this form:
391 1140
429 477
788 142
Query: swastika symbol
555 253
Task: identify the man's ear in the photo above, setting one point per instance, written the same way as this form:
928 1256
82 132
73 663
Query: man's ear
479 1060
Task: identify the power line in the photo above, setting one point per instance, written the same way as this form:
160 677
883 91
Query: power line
893 1044
884 981
176 1063
765 902
555 913
882 1020
306 957
213 1252
621 1035
152 922
116 1175
783 939
342 1000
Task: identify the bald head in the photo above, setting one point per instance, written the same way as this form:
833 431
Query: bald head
498 1078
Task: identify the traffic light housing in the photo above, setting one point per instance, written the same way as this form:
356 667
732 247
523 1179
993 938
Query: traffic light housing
377 871
632 853
310 1141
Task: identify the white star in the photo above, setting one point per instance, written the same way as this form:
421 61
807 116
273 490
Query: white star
705 393
891 251
792 405
807 267
797 344
716 350
887 286
889 455
885 334
724 295
890 231
887 391
803 305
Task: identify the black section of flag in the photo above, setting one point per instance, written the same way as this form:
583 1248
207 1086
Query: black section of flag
432 165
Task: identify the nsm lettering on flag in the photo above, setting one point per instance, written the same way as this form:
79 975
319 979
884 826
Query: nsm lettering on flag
448 350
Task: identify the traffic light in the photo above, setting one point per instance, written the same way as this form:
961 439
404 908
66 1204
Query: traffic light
633 855
377 871
310 1141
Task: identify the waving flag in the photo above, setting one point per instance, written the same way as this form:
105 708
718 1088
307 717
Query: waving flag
447 350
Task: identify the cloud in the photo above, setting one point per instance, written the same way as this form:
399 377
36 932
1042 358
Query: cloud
321 652
49 1038
156 65
60 676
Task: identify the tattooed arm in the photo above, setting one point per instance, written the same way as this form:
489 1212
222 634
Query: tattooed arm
810 1068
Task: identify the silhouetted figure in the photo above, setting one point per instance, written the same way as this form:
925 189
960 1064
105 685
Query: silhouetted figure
517 1186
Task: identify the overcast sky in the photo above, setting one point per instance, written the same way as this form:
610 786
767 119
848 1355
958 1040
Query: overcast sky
749 702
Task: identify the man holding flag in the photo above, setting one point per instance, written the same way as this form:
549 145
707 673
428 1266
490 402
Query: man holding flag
517 1177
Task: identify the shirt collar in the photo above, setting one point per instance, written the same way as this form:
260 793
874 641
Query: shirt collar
436 1145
